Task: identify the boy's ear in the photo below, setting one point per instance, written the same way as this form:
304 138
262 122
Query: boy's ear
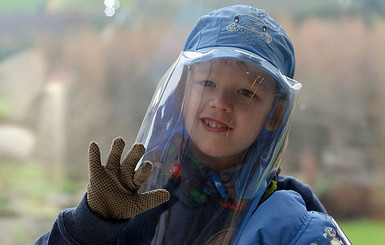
278 113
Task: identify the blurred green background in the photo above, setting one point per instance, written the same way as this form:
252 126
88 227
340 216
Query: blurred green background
70 74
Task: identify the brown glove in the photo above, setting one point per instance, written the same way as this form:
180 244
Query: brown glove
113 189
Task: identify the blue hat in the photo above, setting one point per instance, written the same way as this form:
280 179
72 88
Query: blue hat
246 28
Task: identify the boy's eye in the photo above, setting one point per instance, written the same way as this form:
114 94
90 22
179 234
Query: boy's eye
208 83
246 92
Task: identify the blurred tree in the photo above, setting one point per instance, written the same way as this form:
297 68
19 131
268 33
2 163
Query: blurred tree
369 9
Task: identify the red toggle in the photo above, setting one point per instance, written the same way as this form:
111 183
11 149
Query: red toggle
175 169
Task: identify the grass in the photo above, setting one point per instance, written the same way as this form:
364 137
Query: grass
30 189
364 231
31 196
22 5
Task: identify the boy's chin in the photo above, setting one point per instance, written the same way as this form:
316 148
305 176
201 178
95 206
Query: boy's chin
219 159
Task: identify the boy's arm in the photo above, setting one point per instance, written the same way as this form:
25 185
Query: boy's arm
81 225
112 198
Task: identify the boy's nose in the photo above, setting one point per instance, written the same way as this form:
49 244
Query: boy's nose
221 101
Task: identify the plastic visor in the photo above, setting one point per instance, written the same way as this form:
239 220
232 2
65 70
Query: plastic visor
216 130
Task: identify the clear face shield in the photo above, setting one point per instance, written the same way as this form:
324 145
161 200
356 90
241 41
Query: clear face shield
215 132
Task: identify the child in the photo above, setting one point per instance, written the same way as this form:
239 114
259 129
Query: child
215 132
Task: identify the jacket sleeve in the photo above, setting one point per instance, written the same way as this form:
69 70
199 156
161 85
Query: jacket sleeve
81 225
283 219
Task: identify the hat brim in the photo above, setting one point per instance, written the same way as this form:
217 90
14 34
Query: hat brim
207 54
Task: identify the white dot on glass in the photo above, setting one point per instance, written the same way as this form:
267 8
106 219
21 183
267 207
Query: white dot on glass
109 11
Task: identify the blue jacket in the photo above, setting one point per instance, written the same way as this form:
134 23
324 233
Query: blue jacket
291 215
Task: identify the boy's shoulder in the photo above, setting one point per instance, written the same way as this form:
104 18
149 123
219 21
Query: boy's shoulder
311 200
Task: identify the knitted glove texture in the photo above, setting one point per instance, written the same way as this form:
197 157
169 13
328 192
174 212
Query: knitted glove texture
112 191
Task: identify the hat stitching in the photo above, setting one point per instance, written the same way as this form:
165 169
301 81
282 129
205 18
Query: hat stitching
250 29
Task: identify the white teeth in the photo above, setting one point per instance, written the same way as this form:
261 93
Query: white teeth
213 124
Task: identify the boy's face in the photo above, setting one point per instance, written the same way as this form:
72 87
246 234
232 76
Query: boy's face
226 107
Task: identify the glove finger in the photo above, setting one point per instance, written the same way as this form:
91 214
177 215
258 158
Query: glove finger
141 175
130 161
113 160
94 162
145 201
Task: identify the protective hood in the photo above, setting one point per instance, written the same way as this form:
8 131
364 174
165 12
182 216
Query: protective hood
215 131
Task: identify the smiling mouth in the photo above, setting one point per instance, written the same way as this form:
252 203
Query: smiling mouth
215 124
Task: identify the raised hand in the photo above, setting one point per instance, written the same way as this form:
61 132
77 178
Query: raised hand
112 191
